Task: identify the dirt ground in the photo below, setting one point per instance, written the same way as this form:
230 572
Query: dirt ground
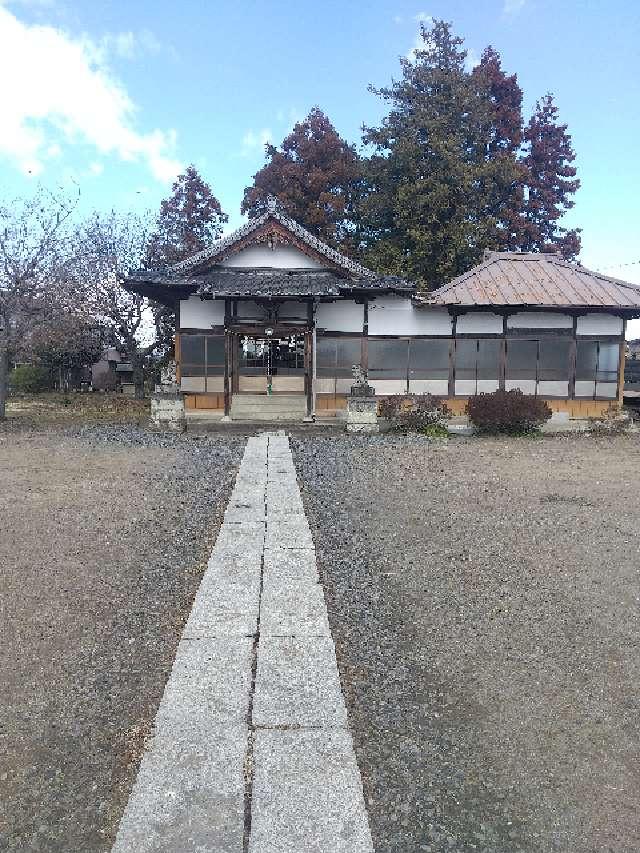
484 599
55 409
104 535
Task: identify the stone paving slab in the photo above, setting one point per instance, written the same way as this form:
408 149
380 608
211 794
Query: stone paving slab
297 683
293 607
189 793
307 794
288 532
291 564
225 608
210 679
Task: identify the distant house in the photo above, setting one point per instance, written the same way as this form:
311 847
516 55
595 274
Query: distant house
270 309
112 372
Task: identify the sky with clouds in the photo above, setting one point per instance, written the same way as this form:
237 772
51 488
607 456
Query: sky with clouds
116 97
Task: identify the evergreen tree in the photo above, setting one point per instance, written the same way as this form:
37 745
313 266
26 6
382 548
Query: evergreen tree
551 183
506 175
189 221
314 175
435 188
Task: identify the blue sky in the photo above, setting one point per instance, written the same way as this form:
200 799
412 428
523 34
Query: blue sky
116 96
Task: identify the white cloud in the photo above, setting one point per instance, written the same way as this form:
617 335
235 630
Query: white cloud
418 44
57 90
472 59
512 7
398 19
130 45
256 140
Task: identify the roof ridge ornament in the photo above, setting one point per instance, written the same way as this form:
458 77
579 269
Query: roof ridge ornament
273 204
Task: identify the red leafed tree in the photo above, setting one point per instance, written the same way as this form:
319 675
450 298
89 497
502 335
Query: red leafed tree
551 183
314 175
189 220
505 191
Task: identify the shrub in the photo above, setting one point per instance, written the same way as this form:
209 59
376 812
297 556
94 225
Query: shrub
415 413
507 411
29 379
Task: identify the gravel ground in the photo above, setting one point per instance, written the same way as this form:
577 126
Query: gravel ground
483 596
104 535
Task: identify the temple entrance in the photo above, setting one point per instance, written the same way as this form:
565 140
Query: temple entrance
270 365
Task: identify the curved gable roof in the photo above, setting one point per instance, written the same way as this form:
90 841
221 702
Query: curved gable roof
238 239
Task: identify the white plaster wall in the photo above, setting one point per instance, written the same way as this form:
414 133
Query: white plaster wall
215 383
345 315
439 387
585 388
196 313
395 315
539 320
388 386
527 386
192 383
479 323
606 389
599 324
549 388
464 387
280 257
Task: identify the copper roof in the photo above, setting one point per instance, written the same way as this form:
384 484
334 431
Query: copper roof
534 280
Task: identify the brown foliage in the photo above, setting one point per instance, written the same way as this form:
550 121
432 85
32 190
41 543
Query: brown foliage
507 411
313 176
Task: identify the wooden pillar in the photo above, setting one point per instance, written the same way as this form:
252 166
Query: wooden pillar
573 351
227 357
364 345
176 354
452 355
623 355
502 367
309 355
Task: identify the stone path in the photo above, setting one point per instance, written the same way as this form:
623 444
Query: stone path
252 751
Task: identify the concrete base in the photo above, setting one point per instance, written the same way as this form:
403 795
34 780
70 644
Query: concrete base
167 411
362 414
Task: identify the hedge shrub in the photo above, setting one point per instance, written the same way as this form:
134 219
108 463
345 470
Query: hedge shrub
415 413
507 411
29 379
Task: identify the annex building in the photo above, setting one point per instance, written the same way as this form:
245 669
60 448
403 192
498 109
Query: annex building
271 310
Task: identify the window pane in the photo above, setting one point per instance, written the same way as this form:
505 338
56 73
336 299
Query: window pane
466 358
215 350
489 359
326 356
521 359
192 355
608 363
553 360
349 351
586 360
429 359
388 359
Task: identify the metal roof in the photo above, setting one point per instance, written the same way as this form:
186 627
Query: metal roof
534 280
218 249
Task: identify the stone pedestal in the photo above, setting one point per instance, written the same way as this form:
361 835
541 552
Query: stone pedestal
167 411
167 404
362 414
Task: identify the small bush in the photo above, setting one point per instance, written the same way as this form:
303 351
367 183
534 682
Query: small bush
29 379
414 413
508 411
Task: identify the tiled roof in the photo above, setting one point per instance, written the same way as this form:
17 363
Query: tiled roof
268 282
273 212
536 280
